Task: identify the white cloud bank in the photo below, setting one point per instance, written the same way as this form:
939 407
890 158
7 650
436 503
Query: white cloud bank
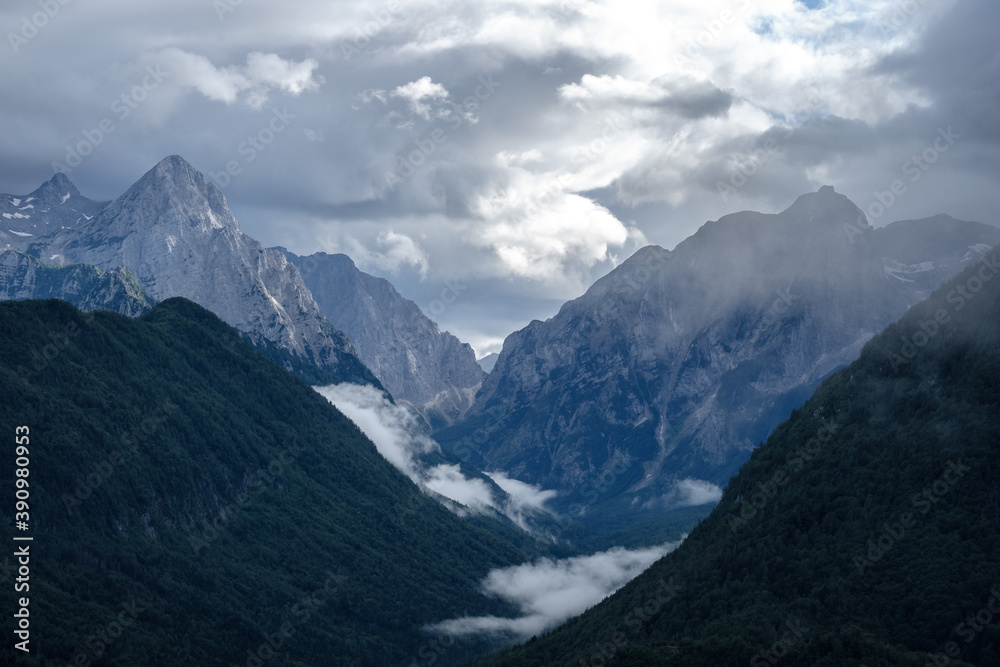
397 435
549 592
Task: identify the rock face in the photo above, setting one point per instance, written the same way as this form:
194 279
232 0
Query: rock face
86 287
175 233
677 364
417 362
55 205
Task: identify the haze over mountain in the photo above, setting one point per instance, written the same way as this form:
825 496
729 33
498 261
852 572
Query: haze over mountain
865 531
417 363
652 388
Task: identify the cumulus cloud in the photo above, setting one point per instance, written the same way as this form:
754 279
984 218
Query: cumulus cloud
392 252
418 92
537 229
398 436
262 73
548 592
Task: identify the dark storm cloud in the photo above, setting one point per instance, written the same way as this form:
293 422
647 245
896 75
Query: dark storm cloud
699 101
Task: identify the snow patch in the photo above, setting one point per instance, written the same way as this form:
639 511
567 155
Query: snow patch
15 201
19 233
19 216
64 198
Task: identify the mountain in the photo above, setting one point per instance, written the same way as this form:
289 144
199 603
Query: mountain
86 287
55 205
417 363
175 233
866 530
191 503
489 361
652 388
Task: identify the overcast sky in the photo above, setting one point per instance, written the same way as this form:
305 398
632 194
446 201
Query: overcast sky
515 151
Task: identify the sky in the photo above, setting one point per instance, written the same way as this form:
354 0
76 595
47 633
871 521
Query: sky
492 159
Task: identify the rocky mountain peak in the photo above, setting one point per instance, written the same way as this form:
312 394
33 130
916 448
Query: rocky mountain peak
825 207
418 363
55 190
175 193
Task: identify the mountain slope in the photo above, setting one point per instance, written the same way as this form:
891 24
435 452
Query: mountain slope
865 531
55 205
414 360
176 471
665 375
173 230
86 287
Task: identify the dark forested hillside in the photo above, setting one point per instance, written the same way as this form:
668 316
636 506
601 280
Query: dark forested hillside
866 531
193 504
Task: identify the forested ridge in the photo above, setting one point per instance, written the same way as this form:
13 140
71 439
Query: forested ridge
193 503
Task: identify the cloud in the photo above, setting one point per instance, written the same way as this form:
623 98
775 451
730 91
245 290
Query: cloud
393 251
449 481
548 592
695 100
398 436
416 92
523 500
537 229
697 492
394 429
687 493
688 86
262 73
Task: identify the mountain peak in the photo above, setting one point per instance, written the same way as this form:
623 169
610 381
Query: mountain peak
825 206
175 189
56 189
175 170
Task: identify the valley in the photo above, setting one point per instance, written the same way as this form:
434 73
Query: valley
270 457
